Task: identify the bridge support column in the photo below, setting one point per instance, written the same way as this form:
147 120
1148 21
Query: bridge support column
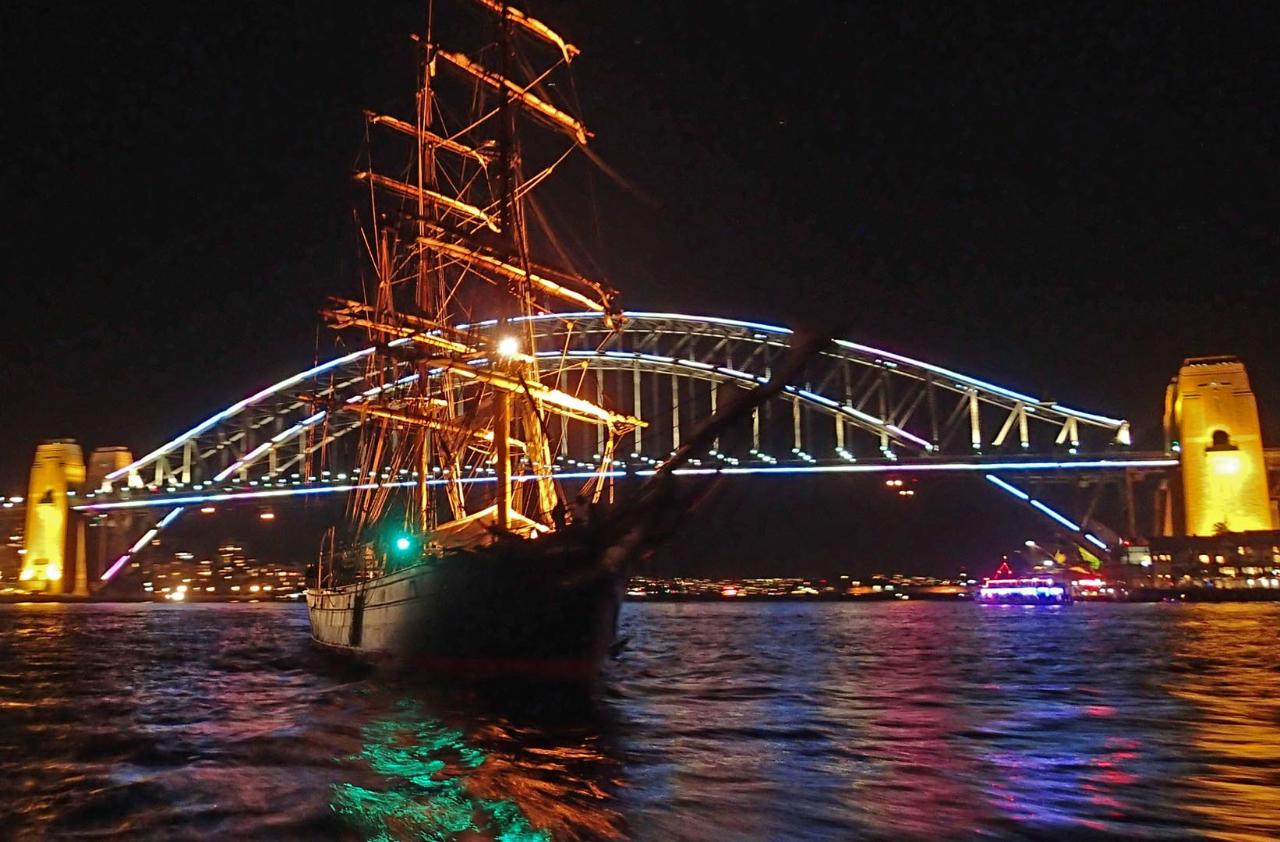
81 560
635 410
48 542
675 414
1211 418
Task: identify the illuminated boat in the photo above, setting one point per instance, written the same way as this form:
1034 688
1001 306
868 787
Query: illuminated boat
1031 590
486 565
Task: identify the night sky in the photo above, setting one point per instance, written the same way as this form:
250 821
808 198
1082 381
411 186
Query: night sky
1064 199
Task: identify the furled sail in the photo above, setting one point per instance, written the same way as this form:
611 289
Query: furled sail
562 402
544 111
440 200
481 156
533 26
512 272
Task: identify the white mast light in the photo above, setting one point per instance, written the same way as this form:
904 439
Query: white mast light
508 346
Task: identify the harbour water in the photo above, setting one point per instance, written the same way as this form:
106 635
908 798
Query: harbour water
895 720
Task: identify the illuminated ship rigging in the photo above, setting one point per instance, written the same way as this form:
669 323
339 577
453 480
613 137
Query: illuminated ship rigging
522 578
450 243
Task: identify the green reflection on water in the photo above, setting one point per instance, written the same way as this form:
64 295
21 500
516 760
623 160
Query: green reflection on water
425 765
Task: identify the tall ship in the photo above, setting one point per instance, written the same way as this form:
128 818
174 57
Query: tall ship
485 564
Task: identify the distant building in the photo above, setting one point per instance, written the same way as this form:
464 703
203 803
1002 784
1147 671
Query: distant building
1230 560
11 524
228 574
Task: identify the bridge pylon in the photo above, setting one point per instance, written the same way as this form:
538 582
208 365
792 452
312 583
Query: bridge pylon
65 551
48 541
1211 420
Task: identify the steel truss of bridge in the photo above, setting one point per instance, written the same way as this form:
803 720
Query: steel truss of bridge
854 409
853 404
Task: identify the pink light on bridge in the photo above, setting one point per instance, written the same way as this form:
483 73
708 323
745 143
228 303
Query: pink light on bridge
115 568
141 542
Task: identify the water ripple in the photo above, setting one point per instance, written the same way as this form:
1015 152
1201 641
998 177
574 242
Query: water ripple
721 721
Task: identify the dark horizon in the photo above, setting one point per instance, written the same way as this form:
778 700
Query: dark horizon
1065 201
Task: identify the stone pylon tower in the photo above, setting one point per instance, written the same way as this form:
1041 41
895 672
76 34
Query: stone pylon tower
52 547
1211 417
110 534
105 460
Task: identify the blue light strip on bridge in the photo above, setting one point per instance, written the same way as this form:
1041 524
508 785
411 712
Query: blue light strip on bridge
1069 524
940 467
1014 490
1055 515
1093 539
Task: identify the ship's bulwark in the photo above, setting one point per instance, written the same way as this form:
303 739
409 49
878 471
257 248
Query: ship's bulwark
482 614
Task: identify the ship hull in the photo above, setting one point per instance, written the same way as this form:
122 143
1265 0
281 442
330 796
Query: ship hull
476 615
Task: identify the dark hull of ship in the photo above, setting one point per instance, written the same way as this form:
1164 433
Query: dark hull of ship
480 614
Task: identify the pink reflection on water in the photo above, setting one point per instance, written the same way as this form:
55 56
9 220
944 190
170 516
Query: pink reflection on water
919 778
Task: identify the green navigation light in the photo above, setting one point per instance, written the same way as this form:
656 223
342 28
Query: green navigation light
403 543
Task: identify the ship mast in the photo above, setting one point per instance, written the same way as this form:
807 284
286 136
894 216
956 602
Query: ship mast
506 214
425 281
454 219
519 276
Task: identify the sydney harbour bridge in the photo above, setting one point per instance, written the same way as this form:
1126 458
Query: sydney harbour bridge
853 409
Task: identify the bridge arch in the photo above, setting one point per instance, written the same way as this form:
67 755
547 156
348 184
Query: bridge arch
907 407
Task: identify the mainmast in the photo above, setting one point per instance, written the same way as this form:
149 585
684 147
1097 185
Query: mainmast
427 276
506 217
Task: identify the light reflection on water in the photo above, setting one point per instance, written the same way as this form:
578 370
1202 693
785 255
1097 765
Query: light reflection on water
420 778
1237 722
746 721
952 720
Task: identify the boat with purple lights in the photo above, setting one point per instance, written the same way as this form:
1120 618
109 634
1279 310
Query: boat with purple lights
1030 590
